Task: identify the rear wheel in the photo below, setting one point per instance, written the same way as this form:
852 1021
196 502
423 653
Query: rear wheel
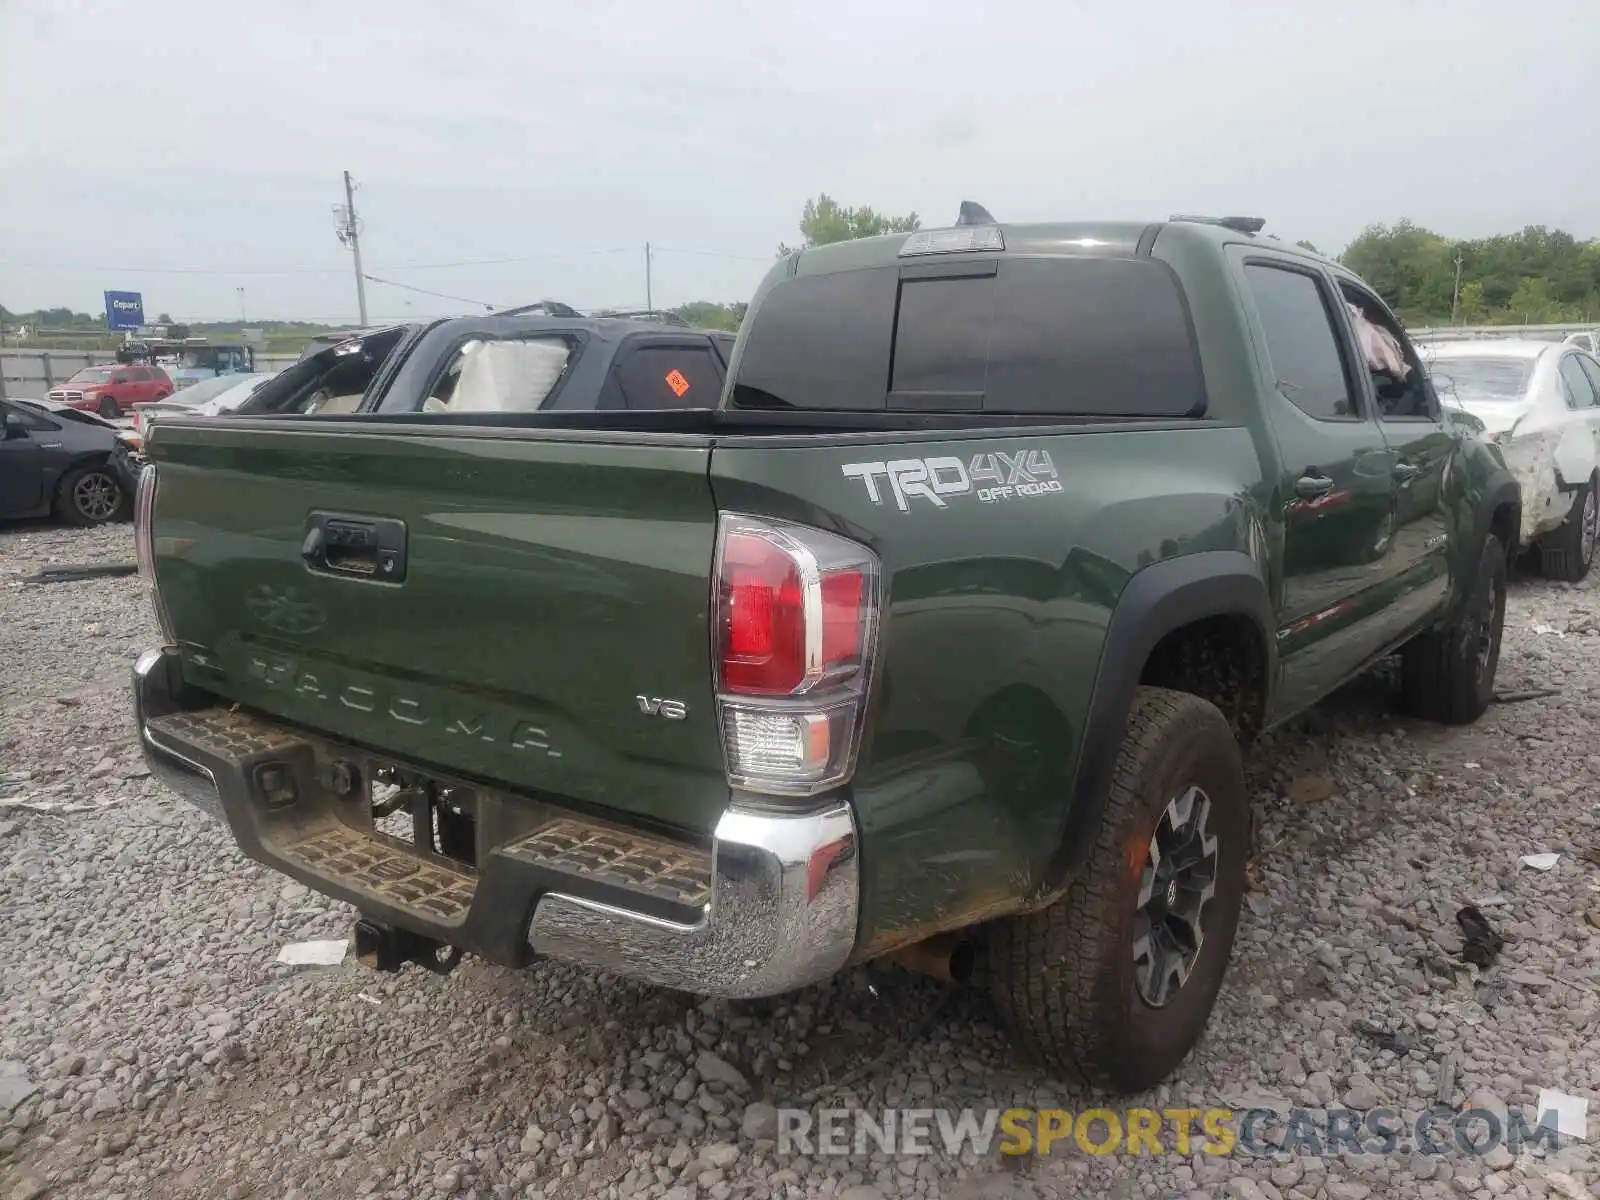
89 495
109 409
1448 674
1568 552
1114 983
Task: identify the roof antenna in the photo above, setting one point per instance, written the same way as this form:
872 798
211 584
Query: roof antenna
973 213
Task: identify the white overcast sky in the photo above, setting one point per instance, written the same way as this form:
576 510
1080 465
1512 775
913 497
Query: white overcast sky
141 138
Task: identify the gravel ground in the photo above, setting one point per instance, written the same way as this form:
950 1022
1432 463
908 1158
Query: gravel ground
163 1052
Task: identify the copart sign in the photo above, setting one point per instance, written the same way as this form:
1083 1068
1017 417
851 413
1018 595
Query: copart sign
994 478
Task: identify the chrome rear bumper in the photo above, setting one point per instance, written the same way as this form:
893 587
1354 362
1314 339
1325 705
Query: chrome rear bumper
782 912
780 909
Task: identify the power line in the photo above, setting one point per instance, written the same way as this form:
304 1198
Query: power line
399 266
177 270
495 262
406 287
714 254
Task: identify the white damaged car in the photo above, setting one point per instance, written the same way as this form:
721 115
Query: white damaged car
1540 401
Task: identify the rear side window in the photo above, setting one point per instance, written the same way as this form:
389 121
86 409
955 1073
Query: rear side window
669 377
1592 370
1048 336
516 375
1580 394
1301 343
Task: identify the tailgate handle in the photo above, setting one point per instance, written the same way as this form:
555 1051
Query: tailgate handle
362 547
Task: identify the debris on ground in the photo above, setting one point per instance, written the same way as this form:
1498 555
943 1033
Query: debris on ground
325 953
1519 697
1564 1113
15 1086
68 574
1482 944
1310 789
1540 862
1396 1041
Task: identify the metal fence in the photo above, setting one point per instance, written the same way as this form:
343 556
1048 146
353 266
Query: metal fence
30 373
1541 333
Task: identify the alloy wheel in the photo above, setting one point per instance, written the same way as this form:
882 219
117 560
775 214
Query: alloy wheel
1178 882
97 496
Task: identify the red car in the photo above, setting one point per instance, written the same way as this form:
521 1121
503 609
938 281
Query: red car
111 390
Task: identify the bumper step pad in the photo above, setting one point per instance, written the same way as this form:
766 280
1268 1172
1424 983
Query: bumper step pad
399 876
622 858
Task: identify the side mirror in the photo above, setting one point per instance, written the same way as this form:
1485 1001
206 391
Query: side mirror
14 427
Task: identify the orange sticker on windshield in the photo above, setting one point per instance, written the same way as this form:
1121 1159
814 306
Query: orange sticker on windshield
677 382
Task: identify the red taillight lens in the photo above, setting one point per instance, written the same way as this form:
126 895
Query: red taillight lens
764 644
842 594
796 624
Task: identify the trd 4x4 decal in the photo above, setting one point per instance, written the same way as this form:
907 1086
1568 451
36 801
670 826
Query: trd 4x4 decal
994 477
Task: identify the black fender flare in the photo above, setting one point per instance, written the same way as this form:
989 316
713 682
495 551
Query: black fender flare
1157 600
1508 492
1467 557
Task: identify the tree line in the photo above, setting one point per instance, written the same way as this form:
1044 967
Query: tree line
1539 276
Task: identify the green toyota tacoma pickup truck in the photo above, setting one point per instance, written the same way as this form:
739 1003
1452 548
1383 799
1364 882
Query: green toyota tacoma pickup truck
938 638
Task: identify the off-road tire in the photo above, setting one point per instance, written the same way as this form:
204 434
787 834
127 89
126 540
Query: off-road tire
1446 675
109 408
1063 978
1567 552
70 506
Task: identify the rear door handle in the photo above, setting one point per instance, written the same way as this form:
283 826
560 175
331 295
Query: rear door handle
1308 486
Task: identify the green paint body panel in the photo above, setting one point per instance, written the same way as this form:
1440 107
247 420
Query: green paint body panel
555 575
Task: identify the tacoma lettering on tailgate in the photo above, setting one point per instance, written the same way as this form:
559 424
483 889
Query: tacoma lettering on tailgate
283 674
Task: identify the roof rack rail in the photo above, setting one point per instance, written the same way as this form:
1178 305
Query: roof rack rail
544 308
1237 224
666 317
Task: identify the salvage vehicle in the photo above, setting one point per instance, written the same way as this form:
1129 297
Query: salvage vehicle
222 393
200 358
516 362
59 461
1540 403
940 637
110 391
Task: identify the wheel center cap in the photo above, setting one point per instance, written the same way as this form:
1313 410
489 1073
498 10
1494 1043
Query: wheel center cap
1172 893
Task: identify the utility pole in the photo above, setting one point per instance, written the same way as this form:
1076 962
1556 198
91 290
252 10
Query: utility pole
649 295
1455 298
242 317
348 229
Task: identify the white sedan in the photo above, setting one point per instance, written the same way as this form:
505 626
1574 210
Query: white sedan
206 398
1540 401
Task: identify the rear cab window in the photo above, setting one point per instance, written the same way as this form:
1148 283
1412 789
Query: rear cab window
657 375
1090 336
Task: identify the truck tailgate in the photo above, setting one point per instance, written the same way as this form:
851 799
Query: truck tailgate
547 584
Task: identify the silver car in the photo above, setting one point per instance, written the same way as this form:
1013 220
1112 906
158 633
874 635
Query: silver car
206 398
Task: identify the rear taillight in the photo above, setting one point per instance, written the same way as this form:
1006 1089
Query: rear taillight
144 543
795 631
